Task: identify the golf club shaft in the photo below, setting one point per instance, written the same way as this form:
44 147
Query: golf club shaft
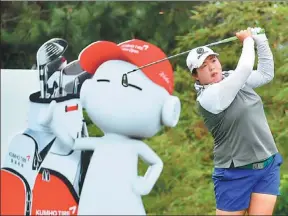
45 81
84 131
42 82
182 53
61 83
75 85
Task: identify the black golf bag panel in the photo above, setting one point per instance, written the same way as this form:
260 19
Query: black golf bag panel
84 163
56 186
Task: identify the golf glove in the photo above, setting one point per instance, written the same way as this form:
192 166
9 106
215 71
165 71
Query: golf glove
257 35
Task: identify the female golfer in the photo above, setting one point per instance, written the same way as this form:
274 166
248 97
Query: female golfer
247 163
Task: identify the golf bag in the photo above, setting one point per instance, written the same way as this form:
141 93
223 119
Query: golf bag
40 175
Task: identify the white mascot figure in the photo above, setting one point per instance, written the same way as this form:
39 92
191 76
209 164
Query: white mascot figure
128 104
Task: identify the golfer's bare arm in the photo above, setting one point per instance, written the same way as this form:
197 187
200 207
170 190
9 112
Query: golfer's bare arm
217 97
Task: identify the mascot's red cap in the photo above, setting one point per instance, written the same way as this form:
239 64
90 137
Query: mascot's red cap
135 51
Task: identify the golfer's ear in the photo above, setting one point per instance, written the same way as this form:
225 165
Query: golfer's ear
195 75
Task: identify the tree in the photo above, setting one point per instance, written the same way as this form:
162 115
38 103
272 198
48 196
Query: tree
25 26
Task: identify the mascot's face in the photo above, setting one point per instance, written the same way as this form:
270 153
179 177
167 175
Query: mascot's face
132 110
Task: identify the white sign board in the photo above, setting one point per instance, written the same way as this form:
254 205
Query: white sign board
16 86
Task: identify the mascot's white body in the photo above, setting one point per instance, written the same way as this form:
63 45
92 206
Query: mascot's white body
126 113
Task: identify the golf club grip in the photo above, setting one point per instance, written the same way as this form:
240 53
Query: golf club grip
262 31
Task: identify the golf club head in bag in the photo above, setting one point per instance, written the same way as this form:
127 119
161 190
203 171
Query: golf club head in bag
48 52
75 86
74 70
55 66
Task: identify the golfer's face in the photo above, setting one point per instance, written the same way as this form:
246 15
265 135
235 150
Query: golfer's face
210 71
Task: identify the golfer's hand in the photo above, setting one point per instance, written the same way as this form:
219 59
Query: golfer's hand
243 34
257 36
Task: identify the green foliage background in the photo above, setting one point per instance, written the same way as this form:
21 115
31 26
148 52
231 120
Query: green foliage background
185 186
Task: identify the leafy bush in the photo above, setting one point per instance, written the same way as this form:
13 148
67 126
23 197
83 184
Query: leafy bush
282 202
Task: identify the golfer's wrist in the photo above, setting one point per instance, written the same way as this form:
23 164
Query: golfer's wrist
248 40
260 39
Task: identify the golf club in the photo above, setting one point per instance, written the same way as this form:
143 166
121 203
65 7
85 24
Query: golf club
52 67
78 81
182 53
76 90
72 69
48 52
55 65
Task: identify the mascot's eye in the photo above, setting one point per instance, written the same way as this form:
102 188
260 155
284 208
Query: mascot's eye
103 80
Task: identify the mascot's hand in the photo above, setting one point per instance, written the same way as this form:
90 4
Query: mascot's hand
140 186
65 127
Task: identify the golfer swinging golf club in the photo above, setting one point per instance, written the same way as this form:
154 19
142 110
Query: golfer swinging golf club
246 160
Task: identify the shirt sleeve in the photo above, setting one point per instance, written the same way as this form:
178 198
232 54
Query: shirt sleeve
217 97
265 68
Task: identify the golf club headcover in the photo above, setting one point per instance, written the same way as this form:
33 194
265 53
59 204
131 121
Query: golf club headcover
171 111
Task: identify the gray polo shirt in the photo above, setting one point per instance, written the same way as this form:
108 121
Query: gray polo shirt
233 112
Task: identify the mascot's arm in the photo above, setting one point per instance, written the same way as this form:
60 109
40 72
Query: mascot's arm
65 129
143 185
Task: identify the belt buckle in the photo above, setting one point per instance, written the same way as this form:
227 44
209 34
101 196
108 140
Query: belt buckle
258 165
